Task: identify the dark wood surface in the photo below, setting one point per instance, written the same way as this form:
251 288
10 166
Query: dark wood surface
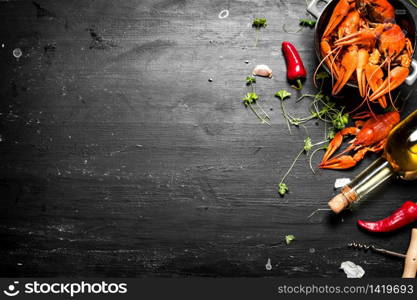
120 158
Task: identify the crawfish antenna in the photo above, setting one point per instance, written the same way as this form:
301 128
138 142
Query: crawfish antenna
321 62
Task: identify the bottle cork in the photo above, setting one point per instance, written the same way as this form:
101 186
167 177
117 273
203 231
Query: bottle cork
343 200
338 203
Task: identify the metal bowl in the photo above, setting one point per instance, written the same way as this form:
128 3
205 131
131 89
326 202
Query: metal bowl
403 18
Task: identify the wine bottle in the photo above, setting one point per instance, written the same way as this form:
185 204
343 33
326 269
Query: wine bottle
399 160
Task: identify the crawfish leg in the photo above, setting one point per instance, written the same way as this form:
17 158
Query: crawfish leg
361 153
359 123
364 37
409 47
362 115
378 147
374 76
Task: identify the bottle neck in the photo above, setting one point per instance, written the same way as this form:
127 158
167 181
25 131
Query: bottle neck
378 173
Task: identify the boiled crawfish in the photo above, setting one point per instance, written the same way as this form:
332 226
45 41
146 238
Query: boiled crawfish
361 42
370 136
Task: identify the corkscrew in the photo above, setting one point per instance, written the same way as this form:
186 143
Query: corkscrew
365 247
410 259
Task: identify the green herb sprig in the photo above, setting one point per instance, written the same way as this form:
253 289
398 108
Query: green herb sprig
289 238
322 108
258 23
307 23
251 100
282 95
282 186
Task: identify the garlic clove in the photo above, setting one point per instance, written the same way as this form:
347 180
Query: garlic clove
262 70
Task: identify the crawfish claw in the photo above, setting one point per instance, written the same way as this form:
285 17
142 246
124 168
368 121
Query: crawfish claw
341 162
395 78
337 141
348 66
339 13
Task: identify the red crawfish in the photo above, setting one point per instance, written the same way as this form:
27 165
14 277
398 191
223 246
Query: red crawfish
370 135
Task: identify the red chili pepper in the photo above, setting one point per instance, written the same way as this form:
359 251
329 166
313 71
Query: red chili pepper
406 214
295 68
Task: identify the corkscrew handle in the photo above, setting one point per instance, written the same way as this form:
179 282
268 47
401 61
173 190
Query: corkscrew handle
410 266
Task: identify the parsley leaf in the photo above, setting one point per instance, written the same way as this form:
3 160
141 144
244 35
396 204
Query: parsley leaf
340 121
282 188
259 23
250 80
282 94
250 98
289 238
308 144
331 133
295 121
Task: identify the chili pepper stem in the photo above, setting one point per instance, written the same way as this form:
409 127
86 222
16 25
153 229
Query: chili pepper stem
299 85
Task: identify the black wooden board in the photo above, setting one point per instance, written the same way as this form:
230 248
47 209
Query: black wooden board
120 158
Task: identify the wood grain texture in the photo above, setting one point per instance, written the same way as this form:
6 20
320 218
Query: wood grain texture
120 158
